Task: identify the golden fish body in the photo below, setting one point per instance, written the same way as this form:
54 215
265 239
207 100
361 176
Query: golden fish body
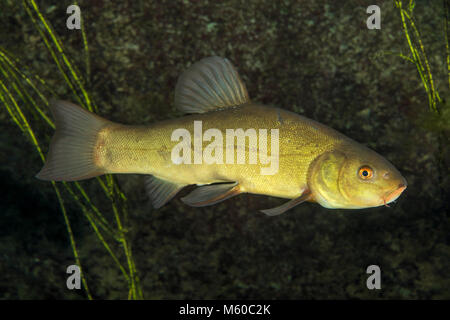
288 156
147 150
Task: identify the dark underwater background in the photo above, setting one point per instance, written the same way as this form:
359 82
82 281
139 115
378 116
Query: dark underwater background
313 57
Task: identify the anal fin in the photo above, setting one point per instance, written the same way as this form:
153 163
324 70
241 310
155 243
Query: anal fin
161 191
211 194
306 195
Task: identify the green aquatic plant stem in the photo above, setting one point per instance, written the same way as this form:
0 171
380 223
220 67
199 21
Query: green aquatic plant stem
92 221
428 69
79 83
10 111
86 50
26 128
51 51
20 90
424 72
72 240
133 279
16 76
61 52
99 217
17 66
447 35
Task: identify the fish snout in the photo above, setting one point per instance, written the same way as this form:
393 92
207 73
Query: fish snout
392 196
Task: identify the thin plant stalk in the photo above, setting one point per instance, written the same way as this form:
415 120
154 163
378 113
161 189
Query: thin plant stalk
17 77
419 57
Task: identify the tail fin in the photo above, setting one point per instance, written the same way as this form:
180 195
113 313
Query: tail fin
71 153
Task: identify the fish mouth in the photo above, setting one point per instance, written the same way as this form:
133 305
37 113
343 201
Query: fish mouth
394 194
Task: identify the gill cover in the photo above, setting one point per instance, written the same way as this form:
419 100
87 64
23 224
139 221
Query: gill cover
324 179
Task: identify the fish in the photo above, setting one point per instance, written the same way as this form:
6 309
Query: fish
303 160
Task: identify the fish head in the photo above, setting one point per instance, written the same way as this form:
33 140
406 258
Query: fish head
355 177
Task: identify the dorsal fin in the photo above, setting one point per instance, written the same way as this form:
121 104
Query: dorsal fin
210 84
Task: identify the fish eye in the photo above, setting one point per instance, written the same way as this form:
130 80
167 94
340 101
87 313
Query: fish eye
365 172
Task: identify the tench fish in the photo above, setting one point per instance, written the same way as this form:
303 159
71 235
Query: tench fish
287 155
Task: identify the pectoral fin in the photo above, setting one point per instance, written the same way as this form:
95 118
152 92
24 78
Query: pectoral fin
288 205
211 194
